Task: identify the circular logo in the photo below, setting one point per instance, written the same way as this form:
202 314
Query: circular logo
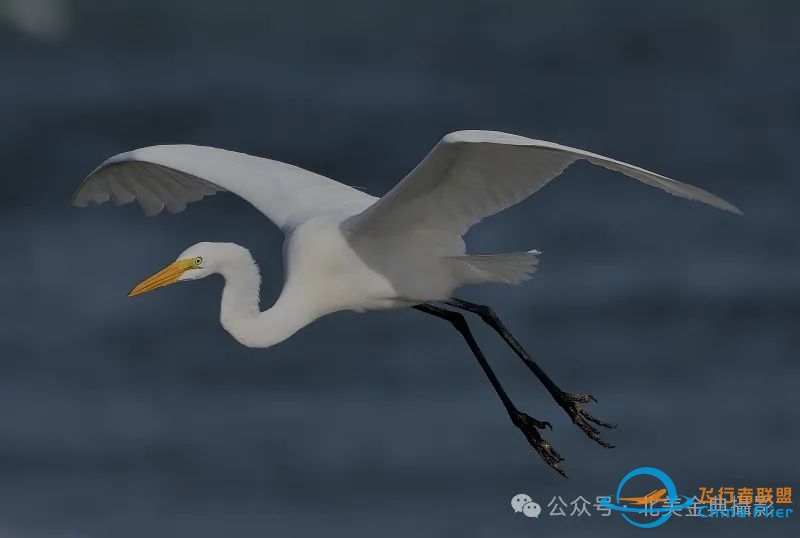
666 511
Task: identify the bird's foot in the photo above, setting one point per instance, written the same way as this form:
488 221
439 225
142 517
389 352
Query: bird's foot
573 405
530 428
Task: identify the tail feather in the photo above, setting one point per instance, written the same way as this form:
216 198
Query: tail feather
511 268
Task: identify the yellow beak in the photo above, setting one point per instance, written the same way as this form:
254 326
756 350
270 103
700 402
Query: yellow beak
168 275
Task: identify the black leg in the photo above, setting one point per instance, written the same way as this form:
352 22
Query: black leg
571 403
528 425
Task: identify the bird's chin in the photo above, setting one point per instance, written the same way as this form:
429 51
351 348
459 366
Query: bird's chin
191 275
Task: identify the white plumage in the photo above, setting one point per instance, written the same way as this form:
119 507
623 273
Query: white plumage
346 249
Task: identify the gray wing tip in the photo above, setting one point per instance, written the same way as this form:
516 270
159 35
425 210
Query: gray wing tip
720 203
75 199
732 208
151 214
735 210
85 196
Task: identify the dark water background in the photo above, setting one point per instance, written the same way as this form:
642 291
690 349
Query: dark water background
129 418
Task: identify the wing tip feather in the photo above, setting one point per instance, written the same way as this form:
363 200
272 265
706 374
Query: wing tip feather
727 206
715 201
732 208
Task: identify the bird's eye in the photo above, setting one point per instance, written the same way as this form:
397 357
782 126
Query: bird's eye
198 260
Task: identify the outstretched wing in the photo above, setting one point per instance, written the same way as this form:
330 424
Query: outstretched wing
470 175
170 177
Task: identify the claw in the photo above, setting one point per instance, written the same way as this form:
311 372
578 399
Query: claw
530 428
573 405
581 398
599 422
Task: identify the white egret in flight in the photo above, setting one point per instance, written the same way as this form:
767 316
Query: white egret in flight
347 250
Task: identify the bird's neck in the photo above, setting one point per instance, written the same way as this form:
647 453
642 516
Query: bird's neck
240 314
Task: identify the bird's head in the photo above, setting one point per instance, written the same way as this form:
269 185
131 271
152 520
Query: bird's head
197 261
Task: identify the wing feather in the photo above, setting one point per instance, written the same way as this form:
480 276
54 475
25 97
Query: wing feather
119 193
168 190
470 175
150 202
170 177
160 186
189 189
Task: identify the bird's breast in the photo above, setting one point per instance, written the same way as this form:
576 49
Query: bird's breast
321 261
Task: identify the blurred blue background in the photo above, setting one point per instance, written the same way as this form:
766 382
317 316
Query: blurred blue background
129 418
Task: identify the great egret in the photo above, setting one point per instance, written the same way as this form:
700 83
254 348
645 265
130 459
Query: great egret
347 250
